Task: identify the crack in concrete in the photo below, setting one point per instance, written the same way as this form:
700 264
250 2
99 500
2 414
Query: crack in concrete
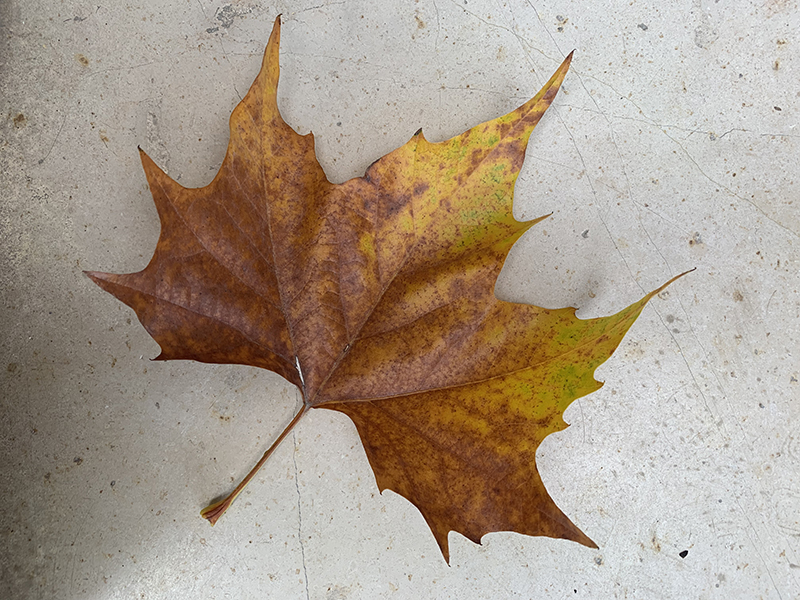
299 515
438 27
688 155
522 41
55 139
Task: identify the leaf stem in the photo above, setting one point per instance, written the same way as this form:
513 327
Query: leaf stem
214 511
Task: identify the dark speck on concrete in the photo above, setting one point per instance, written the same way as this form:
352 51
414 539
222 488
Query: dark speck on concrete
585 234
683 554
642 26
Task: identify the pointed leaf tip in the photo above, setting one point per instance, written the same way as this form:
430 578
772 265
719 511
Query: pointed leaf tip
667 284
96 276
561 72
275 35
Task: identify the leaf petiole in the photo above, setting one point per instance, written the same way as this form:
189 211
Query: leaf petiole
214 511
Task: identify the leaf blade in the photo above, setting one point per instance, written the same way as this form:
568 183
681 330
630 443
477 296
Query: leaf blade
382 290
473 446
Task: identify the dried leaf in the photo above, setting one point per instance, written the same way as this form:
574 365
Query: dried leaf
376 298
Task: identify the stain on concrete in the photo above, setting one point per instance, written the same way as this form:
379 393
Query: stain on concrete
704 33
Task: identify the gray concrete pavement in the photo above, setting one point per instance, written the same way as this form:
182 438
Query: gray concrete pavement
674 145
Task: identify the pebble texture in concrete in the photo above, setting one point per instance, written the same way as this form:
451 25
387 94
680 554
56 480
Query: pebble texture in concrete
673 145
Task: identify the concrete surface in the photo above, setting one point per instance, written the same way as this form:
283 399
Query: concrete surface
674 145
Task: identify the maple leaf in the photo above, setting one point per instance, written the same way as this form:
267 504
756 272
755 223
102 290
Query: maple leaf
376 298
